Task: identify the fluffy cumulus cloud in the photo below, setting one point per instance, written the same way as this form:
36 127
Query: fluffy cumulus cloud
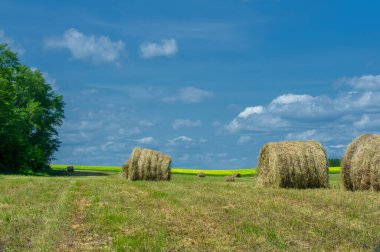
97 50
331 120
185 123
16 47
189 95
250 111
365 82
166 47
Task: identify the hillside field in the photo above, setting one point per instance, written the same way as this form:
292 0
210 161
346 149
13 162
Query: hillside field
99 210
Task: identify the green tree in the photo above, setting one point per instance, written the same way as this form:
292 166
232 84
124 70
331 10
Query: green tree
30 113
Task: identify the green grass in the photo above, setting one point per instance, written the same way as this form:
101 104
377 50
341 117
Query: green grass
108 213
243 172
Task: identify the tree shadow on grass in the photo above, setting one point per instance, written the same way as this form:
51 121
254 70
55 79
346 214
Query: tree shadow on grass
58 173
63 173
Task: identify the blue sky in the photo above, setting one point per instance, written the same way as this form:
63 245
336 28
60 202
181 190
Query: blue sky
208 82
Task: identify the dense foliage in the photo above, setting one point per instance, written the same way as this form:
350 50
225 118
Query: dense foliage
30 112
334 162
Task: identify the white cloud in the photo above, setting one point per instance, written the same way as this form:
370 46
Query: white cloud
50 80
250 111
90 91
291 98
305 135
338 146
244 139
323 118
11 43
89 150
145 140
180 140
182 123
146 123
257 122
189 95
364 82
216 124
97 50
368 122
166 47
203 140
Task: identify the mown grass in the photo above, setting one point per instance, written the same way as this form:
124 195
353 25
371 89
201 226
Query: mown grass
108 213
243 172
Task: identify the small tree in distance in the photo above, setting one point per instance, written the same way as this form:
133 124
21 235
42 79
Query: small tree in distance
30 113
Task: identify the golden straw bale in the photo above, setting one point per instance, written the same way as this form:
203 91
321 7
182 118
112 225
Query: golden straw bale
361 164
145 164
293 164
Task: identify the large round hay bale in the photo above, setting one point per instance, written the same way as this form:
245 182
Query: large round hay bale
145 164
293 164
361 164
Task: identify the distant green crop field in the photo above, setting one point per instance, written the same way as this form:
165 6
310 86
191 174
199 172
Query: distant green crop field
243 172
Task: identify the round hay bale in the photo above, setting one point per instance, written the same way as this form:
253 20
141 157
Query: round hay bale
361 164
229 178
237 175
201 175
70 168
145 164
293 164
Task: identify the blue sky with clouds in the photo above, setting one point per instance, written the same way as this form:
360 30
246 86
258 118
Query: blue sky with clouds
208 82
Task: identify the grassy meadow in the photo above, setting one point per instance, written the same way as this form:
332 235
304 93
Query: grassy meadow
98 210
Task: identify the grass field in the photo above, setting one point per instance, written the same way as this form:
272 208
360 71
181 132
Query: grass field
243 172
100 211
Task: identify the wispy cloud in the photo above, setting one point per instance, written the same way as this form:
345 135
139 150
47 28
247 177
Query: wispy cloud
166 47
97 50
16 47
145 140
189 95
244 139
181 140
183 123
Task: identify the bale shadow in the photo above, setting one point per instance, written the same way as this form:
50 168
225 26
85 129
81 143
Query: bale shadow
64 173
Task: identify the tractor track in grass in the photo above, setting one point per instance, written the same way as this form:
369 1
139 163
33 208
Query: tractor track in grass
79 236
